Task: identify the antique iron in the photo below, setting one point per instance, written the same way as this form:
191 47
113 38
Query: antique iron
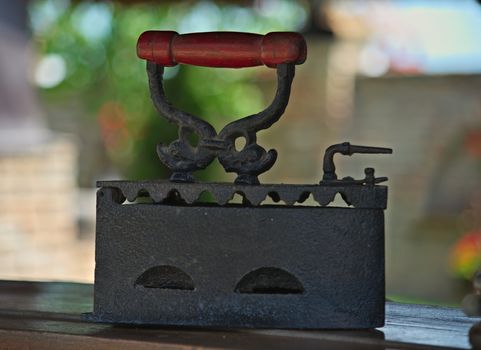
179 261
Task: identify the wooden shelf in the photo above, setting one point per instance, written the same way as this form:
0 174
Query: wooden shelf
46 315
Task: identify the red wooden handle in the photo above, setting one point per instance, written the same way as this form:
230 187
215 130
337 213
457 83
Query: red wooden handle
222 49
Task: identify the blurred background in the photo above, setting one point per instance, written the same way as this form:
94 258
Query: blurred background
75 108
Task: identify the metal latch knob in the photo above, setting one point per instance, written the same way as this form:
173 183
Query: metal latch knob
347 149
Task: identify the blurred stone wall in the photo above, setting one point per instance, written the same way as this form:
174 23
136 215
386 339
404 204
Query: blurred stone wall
38 214
435 178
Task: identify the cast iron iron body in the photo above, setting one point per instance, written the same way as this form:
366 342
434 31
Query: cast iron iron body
175 260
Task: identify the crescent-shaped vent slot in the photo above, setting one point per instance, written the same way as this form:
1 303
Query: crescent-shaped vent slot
165 277
269 280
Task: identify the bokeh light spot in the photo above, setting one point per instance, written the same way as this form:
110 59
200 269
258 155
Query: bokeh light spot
50 71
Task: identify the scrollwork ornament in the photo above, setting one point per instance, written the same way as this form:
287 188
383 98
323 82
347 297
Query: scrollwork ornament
183 158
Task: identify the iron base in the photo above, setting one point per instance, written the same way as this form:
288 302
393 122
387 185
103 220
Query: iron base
235 266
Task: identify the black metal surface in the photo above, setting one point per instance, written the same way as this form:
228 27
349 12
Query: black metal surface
161 191
262 267
347 149
183 158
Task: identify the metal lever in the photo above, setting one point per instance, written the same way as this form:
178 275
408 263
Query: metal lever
347 149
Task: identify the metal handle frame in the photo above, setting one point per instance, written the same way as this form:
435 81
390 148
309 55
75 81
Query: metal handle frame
182 158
